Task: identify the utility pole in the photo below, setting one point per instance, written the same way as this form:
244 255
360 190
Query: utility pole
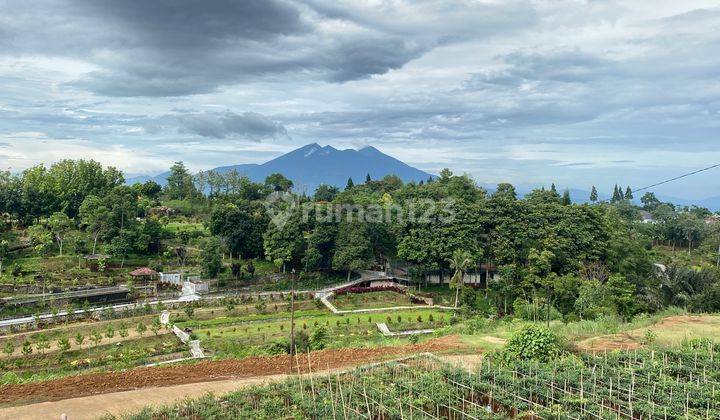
292 318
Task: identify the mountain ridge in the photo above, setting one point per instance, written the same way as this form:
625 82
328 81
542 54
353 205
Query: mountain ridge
312 165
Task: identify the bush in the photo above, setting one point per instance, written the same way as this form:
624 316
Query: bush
277 347
319 338
475 325
533 342
413 339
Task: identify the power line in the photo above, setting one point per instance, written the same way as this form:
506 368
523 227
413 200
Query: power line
678 177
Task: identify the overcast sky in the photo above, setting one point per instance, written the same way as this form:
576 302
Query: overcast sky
530 92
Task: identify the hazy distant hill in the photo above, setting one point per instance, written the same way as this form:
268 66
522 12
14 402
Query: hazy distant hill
312 165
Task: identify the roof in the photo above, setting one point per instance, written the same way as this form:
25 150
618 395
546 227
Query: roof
97 257
143 271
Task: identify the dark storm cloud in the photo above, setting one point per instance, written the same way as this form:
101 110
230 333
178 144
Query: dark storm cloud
183 47
175 48
249 125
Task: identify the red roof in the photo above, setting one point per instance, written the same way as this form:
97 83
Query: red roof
143 271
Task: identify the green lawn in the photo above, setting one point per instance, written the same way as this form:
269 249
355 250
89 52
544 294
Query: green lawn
244 335
383 299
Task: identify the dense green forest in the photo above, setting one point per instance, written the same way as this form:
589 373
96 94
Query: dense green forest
555 259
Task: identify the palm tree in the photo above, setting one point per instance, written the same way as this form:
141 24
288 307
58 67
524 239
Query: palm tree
459 262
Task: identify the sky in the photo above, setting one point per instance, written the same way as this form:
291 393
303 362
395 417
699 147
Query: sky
531 92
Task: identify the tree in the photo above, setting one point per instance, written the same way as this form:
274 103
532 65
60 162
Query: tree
40 238
121 245
349 184
141 328
210 255
352 251
505 190
241 226
42 343
593 194
122 330
26 348
553 191
4 250
60 225
650 201
155 326
326 192
628 193
278 182
96 217
459 262
79 339
150 189
180 184
9 348
109 331
63 344
367 178
617 194
95 337
566 201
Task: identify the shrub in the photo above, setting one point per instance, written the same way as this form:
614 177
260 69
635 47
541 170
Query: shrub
319 338
533 342
414 338
649 337
277 347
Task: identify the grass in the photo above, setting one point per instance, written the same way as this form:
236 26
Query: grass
131 353
245 335
382 299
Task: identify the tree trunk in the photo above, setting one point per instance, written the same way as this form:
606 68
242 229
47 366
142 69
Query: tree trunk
457 295
292 323
348 278
95 241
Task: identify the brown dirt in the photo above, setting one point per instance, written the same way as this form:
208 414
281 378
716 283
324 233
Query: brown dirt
106 382
630 340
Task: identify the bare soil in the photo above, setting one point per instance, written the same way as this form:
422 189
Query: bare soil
107 382
669 329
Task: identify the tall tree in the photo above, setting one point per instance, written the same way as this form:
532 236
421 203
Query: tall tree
349 184
210 254
352 250
326 192
367 178
96 217
180 183
566 201
60 225
593 194
628 193
459 263
278 182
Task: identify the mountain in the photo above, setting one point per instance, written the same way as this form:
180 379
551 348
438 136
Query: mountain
312 165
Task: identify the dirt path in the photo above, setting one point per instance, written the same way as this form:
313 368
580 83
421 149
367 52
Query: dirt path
118 403
111 382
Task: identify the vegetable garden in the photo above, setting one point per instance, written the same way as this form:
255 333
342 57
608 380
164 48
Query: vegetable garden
663 384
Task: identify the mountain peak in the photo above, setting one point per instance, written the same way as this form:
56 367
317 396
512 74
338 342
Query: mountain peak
312 165
368 149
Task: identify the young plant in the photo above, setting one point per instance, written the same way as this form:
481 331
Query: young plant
9 348
79 339
64 344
